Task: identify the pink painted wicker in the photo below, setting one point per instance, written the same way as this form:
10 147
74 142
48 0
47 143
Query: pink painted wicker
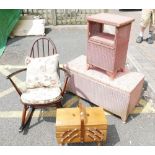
118 96
110 19
108 51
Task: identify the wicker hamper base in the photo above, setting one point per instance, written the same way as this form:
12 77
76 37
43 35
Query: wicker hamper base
119 96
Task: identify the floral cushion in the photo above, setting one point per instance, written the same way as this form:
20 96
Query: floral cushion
41 95
42 72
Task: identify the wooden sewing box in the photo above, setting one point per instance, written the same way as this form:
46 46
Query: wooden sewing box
80 124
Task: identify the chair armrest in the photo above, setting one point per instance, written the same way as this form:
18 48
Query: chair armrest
16 72
13 83
67 76
65 71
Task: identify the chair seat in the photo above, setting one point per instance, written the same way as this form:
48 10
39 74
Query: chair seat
41 95
104 38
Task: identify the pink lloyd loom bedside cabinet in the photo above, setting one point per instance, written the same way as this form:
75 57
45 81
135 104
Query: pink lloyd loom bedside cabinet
104 50
75 125
118 96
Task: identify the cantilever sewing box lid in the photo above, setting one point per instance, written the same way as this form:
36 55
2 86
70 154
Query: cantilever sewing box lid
69 118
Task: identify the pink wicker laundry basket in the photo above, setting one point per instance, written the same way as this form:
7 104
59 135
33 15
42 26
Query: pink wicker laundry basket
118 96
104 50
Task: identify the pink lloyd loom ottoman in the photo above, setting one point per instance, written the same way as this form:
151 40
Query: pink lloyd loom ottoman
118 96
104 50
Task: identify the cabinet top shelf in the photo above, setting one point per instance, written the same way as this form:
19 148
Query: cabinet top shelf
110 19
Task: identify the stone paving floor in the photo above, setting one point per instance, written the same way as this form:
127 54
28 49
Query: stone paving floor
141 56
70 42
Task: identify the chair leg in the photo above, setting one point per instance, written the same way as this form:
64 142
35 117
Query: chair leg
59 105
89 66
111 74
23 118
26 118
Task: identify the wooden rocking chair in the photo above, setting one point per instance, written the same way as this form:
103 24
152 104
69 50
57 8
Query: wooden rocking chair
42 47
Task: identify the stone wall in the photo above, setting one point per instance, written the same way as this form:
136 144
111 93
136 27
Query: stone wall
64 16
